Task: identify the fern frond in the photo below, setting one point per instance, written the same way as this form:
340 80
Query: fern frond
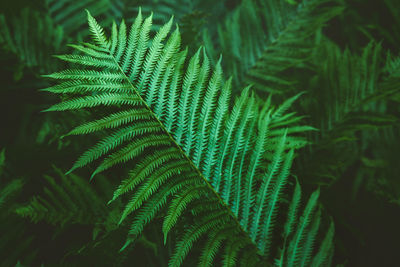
144 169
212 246
351 83
325 252
106 99
263 39
154 204
112 121
151 186
173 120
232 250
292 212
68 14
212 220
28 36
351 92
66 200
298 245
179 204
87 60
10 189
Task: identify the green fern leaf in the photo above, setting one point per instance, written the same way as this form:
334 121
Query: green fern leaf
173 120
263 39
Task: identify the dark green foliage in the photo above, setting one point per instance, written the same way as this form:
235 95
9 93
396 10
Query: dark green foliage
69 15
274 143
350 92
31 37
16 242
73 201
274 37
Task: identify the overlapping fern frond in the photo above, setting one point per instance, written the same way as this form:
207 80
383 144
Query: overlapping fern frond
17 241
349 97
263 40
71 201
30 38
34 36
389 84
8 187
228 166
350 84
69 15
300 234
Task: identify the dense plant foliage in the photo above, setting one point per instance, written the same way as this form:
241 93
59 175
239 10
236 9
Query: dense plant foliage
229 133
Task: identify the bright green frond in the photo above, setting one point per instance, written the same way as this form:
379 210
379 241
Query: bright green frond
299 241
191 151
325 252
